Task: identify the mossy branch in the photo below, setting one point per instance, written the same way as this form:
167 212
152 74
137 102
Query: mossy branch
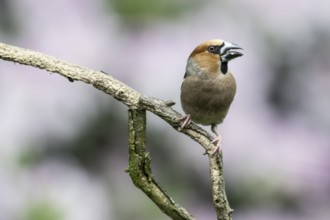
139 159
140 170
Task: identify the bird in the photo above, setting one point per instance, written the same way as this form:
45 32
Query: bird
209 87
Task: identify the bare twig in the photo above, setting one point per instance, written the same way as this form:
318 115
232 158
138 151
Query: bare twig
134 100
140 170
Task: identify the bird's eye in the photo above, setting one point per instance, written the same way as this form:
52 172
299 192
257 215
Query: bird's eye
214 49
211 49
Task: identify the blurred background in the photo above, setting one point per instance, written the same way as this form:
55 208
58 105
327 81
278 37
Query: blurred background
63 146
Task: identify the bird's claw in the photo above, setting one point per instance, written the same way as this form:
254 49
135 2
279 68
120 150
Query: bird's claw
218 146
186 120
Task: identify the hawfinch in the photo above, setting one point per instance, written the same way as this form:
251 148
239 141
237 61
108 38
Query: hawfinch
209 87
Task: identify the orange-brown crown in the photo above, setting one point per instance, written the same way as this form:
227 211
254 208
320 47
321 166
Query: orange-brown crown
207 60
211 57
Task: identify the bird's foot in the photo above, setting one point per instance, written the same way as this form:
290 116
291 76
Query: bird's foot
218 146
186 120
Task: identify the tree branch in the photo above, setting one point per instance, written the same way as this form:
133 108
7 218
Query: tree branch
134 100
140 169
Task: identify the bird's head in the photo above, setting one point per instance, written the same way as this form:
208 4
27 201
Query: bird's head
211 57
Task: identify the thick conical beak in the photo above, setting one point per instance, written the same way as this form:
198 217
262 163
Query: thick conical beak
227 51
